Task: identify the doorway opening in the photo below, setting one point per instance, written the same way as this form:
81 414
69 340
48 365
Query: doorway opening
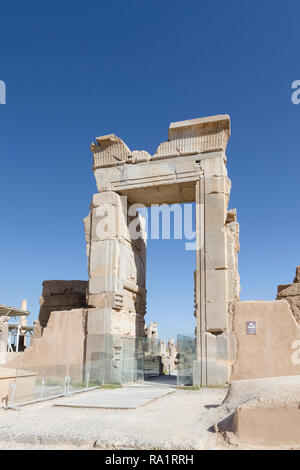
170 269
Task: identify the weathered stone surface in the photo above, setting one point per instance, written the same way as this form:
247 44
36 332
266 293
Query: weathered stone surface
218 185
165 356
60 295
216 285
262 412
289 290
297 277
152 330
216 250
169 357
295 307
185 138
63 300
231 216
37 331
216 316
116 264
63 288
291 293
3 334
272 351
195 136
98 321
215 212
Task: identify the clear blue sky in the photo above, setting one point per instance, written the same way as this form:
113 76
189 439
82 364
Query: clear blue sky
75 70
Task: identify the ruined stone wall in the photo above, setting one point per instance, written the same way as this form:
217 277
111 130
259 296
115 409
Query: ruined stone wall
291 293
169 353
162 353
232 231
62 343
59 296
274 350
152 330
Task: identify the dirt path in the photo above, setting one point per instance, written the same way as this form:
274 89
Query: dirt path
180 420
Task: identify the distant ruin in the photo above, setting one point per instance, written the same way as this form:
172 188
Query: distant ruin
167 352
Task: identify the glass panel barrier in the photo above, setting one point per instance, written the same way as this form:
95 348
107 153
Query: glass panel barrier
186 354
111 359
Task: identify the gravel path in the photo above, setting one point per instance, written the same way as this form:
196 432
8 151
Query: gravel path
180 420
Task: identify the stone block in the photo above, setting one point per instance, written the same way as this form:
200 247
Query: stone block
216 316
232 245
105 176
215 212
64 287
71 300
45 312
87 227
214 166
217 185
109 198
216 286
98 321
288 290
98 285
217 359
98 300
100 252
215 250
233 285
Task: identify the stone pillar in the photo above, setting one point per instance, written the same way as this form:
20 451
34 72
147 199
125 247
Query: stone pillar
163 348
3 336
116 265
216 275
116 292
23 318
152 330
172 349
200 372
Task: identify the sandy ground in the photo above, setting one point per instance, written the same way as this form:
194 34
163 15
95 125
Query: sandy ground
179 420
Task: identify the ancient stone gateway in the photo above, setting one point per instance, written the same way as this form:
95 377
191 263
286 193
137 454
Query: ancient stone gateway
189 167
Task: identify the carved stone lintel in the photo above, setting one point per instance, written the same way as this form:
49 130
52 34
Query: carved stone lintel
189 137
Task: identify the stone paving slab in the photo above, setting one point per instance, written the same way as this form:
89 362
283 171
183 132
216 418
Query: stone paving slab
127 397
